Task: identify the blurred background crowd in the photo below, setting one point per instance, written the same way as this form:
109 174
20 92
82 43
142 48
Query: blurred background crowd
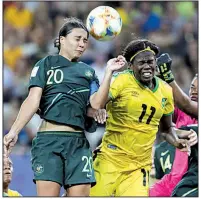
29 30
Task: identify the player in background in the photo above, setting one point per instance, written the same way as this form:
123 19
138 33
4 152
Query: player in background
60 90
183 178
182 101
164 152
138 102
188 186
7 177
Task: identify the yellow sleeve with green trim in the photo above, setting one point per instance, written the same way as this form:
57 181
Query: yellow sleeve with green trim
116 86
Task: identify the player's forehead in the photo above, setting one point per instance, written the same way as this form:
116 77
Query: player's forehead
145 56
194 82
79 32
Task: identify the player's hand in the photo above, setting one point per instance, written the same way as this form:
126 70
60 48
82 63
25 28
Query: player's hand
9 142
183 145
190 135
100 116
56 42
164 63
117 64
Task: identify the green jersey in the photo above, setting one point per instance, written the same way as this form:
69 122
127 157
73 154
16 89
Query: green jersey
163 159
188 186
193 159
66 89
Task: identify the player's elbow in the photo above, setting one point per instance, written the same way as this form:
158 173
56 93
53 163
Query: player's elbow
32 103
188 106
96 102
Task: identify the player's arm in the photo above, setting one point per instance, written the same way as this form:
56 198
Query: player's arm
181 100
37 83
100 114
100 98
170 134
27 110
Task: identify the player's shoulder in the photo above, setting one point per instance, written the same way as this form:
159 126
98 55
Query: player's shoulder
85 66
13 193
163 84
43 61
122 75
161 145
190 126
164 87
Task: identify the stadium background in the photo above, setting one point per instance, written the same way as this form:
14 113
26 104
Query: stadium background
29 29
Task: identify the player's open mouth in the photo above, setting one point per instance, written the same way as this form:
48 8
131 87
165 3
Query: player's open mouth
146 74
7 172
194 98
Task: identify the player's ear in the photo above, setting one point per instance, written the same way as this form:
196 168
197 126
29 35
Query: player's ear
130 66
62 38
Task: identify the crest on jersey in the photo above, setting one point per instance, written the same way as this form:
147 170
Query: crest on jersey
89 73
163 102
39 169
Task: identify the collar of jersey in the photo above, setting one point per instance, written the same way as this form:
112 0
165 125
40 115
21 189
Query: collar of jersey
66 60
156 80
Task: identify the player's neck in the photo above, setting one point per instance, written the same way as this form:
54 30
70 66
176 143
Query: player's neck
150 85
65 55
5 188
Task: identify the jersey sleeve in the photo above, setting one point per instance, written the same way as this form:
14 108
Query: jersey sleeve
116 86
38 76
158 169
169 105
94 86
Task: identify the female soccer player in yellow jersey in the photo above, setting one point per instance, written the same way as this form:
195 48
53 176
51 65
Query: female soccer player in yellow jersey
138 103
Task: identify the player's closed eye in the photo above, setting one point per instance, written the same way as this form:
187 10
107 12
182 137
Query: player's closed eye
150 61
85 41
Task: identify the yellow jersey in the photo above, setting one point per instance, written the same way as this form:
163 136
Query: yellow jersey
134 113
13 193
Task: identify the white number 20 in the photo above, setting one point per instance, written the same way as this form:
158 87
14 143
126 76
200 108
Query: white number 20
53 74
88 165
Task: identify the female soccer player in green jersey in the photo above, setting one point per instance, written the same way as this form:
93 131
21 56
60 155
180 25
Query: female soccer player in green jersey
60 89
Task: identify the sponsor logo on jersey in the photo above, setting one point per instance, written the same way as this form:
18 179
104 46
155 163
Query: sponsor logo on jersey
111 146
164 153
53 67
135 93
